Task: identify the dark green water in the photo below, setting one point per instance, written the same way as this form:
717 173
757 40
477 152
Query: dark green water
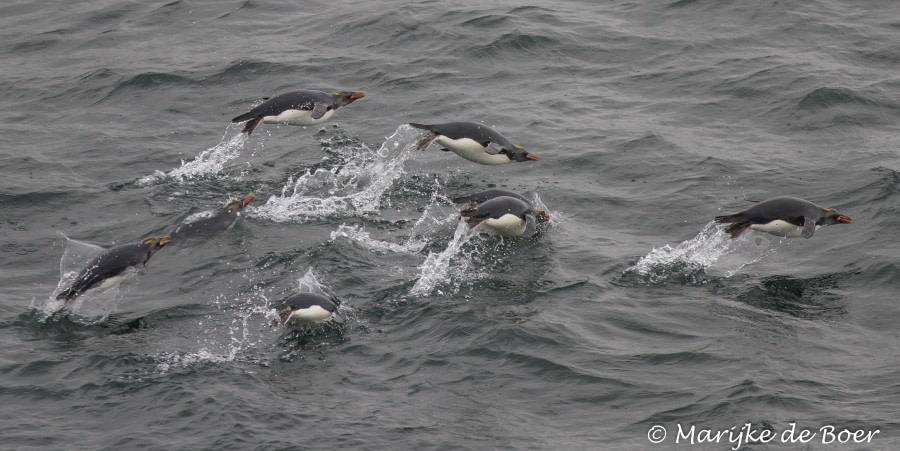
630 310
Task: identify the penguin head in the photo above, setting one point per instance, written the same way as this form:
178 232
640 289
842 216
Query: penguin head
239 203
833 217
541 215
342 98
155 244
520 154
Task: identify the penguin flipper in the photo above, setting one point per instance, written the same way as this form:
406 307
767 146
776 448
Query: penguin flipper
319 110
493 148
809 227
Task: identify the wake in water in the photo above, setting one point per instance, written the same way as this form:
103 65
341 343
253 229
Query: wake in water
209 162
434 217
353 189
711 253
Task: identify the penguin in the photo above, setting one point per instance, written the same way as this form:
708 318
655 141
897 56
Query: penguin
474 142
308 308
113 262
304 107
505 216
788 217
217 223
484 196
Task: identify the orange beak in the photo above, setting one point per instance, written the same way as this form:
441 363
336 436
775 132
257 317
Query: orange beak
844 219
165 240
357 95
531 156
247 199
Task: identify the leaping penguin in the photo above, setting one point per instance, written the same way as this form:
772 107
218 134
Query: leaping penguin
505 216
112 263
474 142
217 223
788 217
308 308
304 107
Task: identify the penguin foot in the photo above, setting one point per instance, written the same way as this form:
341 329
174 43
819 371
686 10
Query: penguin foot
425 141
252 124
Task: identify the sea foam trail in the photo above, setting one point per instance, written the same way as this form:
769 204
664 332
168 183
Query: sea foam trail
436 267
359 235
354 188
712 251
208 162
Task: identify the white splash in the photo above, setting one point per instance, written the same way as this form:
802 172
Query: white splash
712 250
437 266
309 283
352 189
208 162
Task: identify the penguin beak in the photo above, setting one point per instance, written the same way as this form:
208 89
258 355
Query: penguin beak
357 95
530 156
165 240
247 199
844 219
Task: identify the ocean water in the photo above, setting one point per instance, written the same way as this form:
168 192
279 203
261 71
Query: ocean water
630 311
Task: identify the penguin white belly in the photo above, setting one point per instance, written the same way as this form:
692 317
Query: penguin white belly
297 117
116 280
781 228
313 314
470 150
506 225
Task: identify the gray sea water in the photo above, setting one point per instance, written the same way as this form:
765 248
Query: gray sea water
630 312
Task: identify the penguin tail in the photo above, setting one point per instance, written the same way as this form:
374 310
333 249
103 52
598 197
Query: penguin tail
244 117
463 199
421 126
726 219
469 214
251 125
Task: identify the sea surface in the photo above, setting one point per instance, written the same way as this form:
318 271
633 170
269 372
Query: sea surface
629 310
